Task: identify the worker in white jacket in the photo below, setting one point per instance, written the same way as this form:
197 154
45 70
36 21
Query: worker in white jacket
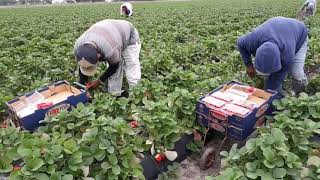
309 8
115 42
127 9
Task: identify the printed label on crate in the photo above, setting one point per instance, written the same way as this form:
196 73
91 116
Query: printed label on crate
55 110
218 115
217 127
262 110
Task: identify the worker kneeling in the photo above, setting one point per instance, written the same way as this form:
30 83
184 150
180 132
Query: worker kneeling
279 46
127 9
116 42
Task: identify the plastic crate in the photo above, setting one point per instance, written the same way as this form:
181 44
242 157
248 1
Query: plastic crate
25 111
236 126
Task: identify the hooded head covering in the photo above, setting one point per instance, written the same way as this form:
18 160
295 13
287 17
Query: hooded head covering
267 58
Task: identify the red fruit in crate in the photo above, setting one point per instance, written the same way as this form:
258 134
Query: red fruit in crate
134 124
44 105
16 168
251 89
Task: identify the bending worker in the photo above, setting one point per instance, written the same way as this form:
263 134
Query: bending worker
279 46
127 9
115 42
309 7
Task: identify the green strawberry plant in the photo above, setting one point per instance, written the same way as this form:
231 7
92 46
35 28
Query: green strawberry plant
265 157
282 149
172 173
304 106
181 59
10 138
312 169
106 149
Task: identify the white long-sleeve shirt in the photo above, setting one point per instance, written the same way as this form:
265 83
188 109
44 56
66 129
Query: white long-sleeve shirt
310 6
129 8
110 37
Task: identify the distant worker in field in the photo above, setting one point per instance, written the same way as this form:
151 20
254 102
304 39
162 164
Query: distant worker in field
308 9
126 9
280 47
116 42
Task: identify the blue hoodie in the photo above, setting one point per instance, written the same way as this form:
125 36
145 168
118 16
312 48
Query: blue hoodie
274 45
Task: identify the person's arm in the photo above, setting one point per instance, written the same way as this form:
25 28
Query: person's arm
83 78
113 61
275 80
245 55
109 72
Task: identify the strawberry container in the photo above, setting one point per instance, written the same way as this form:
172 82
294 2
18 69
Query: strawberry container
234 109
27 110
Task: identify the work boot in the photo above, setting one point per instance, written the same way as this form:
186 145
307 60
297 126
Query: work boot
298 87
124 94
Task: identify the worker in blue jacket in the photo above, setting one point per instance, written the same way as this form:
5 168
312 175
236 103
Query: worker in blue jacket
280 47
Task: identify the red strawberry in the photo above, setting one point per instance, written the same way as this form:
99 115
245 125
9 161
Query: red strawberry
251 89
4 124
134 124
160 157
88 85
16 168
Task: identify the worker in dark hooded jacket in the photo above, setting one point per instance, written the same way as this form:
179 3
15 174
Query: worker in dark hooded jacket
279 46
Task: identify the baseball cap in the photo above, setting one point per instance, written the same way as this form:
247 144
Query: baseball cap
87 57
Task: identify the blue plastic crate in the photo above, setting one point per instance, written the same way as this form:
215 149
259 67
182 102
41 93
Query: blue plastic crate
237 127
31 122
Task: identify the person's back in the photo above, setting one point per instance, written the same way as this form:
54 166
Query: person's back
279 46
110 36
289 34
115 42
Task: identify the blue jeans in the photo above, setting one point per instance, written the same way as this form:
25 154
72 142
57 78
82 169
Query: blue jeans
299 77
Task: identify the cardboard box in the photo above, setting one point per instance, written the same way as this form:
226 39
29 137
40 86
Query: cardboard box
234 109
27 110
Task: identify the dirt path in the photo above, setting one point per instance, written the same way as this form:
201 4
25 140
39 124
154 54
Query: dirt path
190 170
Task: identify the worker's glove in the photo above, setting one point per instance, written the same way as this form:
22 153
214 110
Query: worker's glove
251 71
94 84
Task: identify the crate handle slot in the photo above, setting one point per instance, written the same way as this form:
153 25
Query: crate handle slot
218 115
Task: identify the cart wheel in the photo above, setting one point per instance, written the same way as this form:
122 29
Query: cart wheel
207 158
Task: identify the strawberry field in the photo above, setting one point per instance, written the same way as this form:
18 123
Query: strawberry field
188 49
